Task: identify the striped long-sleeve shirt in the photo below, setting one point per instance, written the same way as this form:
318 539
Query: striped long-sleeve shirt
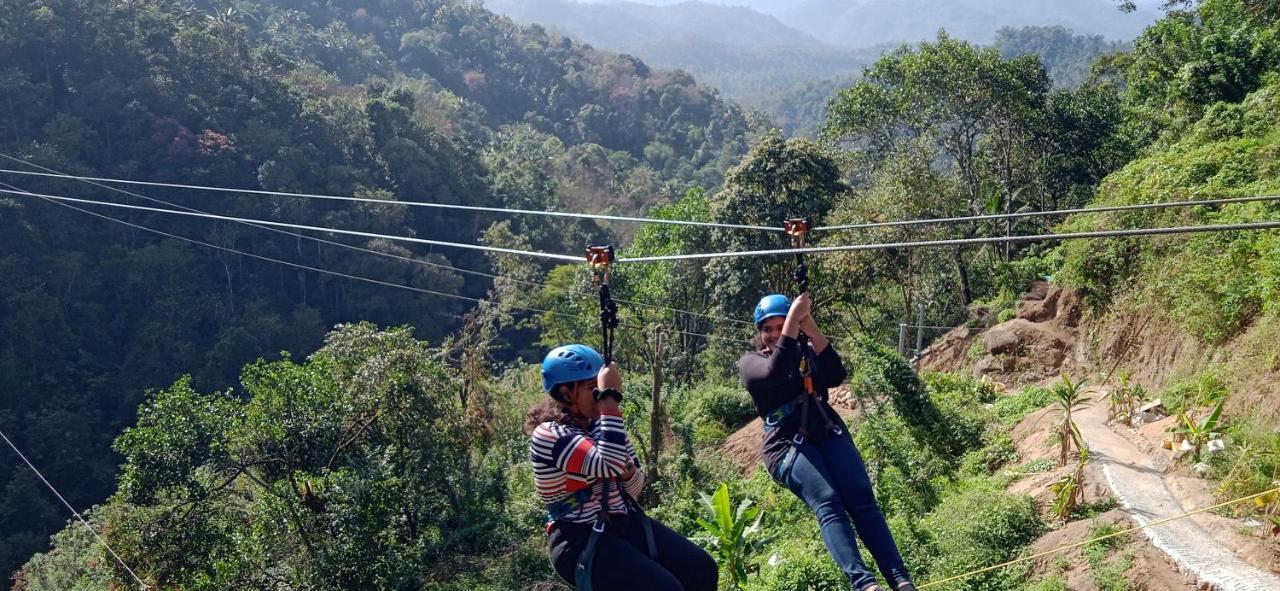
567 460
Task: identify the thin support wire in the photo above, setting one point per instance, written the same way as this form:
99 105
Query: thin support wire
77 514
503 210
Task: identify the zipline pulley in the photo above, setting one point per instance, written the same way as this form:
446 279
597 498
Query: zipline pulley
599 258
798 230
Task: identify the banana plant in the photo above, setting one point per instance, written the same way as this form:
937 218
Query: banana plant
733 533
1197 433
1068 491
1070 397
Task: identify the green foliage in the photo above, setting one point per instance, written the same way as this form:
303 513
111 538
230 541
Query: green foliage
779 179
1067 57
76 565
977 526
800 565
1107 574
1011 409
1250 462
1192 59
1198 431
178 431
1207 76
733 533
1203 388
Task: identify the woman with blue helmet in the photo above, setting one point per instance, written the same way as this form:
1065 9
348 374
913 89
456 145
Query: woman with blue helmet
588 475
807 447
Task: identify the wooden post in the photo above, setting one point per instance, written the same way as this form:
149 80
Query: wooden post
655 419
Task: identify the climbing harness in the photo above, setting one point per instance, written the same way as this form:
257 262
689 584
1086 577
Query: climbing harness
798 230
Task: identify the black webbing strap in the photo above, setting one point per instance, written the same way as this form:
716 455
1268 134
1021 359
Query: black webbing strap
599 258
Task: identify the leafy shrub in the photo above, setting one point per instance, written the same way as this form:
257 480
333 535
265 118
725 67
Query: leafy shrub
1206 387
979 526
728 407
989 458
799 565
1011 409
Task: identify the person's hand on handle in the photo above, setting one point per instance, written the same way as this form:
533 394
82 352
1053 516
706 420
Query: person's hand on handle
800 310
609 378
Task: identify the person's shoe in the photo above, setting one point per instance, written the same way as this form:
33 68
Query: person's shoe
906 586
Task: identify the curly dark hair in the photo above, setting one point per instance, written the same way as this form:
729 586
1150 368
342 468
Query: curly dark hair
551 410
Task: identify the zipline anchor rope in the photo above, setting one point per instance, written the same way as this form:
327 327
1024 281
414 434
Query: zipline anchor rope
1097 539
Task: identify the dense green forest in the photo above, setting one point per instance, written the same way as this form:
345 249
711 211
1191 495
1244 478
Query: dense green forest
1068 59
238 426
430 101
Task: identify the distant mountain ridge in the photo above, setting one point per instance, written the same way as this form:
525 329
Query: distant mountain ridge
626 25
744 53
867 22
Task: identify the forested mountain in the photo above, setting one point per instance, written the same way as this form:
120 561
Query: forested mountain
432 101
743 53
1067 57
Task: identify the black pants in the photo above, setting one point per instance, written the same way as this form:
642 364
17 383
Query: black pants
622 560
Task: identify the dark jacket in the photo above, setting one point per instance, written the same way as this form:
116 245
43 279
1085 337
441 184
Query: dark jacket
774 380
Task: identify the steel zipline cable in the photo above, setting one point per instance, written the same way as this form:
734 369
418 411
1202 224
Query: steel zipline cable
832 228
1265 225
628 326
58 174
77 514
1028 214
226 218
1268 225
503 210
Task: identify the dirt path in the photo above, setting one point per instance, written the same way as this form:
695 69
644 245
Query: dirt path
1141 487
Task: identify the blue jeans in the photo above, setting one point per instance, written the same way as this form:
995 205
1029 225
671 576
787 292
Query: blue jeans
832 480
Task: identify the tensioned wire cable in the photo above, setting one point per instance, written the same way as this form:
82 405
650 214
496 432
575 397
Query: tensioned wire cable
59 174
861 225
712 255
503 210
55 200
529 253
964 241
77 514
1027 214
267 228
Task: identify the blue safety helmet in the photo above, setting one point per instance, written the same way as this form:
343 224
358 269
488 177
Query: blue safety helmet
568 364
772 305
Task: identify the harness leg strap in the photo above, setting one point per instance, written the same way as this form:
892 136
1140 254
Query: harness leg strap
582 574
648 536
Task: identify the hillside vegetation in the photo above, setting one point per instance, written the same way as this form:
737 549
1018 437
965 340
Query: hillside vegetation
233 426
411 101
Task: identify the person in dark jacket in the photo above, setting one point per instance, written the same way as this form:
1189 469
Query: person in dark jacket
807 446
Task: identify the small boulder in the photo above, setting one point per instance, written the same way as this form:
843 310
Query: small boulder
1200 469
1215 446
1001 339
